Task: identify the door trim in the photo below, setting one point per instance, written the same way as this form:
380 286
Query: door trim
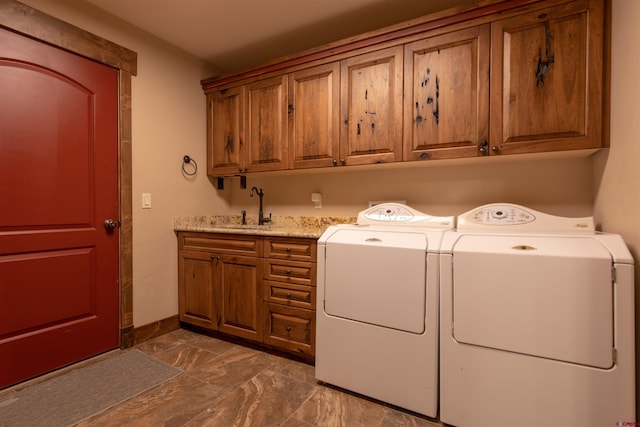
22 19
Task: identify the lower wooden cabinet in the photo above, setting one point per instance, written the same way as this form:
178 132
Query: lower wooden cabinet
256 288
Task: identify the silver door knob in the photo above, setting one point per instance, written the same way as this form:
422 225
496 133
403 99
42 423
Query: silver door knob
110 224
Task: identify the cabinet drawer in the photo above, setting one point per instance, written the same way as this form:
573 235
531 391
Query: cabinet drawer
291 328
290 294
232 244
303 273
291 249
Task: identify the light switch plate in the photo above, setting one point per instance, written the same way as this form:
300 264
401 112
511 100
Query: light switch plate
146 200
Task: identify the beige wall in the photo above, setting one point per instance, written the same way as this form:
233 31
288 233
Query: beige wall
559 186
617 171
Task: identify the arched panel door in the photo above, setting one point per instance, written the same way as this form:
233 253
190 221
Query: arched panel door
59 291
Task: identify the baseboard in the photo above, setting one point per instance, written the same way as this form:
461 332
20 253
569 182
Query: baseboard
126 337
155 329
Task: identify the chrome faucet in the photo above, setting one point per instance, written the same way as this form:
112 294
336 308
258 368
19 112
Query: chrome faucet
261 218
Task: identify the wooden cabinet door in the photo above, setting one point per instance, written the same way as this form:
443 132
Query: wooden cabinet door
239 280
197 296
371 96
546 80
225 126
446 105
266 125
314 116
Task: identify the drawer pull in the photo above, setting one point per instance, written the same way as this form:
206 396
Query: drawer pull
288 296
288 272
288 250
287 328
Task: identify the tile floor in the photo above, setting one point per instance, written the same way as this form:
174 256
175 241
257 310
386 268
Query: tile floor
226 385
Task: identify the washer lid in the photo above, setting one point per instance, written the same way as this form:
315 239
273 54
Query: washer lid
377 277
368 236
543 296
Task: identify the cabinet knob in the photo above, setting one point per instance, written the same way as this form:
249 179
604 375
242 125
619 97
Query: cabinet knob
288 250
342 162
288 296
424 156
290 108
495 149
484 147
287 328
335 162
288 272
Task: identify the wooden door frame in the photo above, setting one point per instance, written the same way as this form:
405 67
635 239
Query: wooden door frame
22 19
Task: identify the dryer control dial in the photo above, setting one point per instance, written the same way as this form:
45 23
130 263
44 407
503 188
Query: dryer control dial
398 215
389 213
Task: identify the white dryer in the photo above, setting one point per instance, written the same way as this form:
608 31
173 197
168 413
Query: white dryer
537 322
377 309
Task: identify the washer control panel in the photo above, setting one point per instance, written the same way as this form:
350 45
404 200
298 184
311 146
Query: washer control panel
506 217
501 214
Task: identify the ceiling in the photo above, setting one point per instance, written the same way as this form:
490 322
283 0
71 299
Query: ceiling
234 35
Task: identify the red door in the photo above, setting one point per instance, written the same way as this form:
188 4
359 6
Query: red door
59 299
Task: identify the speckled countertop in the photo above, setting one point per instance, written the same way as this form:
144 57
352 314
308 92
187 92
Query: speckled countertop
287 226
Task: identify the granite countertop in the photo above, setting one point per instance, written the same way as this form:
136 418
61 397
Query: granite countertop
284 226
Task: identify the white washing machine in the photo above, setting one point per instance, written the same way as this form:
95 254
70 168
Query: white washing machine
377 309
537 322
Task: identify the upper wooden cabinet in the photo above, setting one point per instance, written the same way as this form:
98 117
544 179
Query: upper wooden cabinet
314 107
371 98
507 77
547 79
225 128
446 100
266 125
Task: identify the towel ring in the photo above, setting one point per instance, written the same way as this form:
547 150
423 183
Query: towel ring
186 160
